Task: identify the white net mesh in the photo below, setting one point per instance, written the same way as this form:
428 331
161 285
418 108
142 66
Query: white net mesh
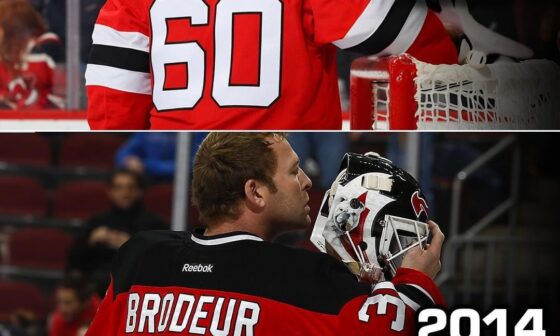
381 105
522 95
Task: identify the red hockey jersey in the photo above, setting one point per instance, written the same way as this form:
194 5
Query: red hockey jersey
30 87
236 284
251 64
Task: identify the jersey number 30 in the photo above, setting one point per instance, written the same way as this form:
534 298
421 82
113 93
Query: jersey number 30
193 55
382 302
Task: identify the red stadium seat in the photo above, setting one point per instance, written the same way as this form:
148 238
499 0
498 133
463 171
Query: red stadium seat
159 199
20 296
80 199
44 248
25 149
95 151
22 196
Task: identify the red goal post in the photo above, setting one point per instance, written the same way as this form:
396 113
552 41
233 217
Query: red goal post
402 93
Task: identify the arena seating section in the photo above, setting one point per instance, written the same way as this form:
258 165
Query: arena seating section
50 184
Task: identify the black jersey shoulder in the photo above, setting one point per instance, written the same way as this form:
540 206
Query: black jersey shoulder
306 279
146 241
130 257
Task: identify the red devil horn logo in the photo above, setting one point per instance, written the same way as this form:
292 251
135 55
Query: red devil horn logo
418 204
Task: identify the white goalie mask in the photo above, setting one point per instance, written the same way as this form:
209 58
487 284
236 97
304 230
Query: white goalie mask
372 215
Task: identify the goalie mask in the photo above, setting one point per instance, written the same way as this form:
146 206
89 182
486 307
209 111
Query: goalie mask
373 213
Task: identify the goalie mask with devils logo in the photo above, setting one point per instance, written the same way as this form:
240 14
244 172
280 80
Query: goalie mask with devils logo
373 213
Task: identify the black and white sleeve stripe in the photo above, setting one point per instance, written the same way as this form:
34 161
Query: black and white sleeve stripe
386 27
119 60
413 296
416 294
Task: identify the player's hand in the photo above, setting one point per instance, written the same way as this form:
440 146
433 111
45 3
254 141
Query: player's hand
99 235
426 260
117 238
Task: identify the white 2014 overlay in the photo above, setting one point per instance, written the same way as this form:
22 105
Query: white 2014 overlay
496 319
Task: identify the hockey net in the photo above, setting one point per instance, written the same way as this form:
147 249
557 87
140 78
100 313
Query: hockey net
400 92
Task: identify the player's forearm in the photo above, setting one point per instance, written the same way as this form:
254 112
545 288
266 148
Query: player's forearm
406 27
385 29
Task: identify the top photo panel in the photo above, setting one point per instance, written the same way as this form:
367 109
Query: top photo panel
279 65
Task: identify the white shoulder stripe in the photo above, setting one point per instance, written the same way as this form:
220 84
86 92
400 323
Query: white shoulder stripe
409 31
118 79
415 306
132 40
384 285
224 240
367 24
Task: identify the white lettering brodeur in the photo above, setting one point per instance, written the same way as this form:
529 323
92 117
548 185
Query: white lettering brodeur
174 312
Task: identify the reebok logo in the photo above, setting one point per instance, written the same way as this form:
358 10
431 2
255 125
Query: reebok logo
198 268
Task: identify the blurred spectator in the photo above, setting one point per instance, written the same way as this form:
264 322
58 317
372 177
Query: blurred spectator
25 323
93 251
26 78
153 154
76 305
326 148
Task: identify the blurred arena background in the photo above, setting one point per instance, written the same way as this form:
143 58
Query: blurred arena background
536 24
495 195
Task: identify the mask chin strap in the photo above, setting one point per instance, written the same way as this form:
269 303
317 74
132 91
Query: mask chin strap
394 224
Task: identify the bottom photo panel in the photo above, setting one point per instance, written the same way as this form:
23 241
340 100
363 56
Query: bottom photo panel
299 233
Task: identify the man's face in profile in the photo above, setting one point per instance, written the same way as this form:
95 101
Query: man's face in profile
288 205
124 191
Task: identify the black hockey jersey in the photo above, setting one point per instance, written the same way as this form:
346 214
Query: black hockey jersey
237 284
